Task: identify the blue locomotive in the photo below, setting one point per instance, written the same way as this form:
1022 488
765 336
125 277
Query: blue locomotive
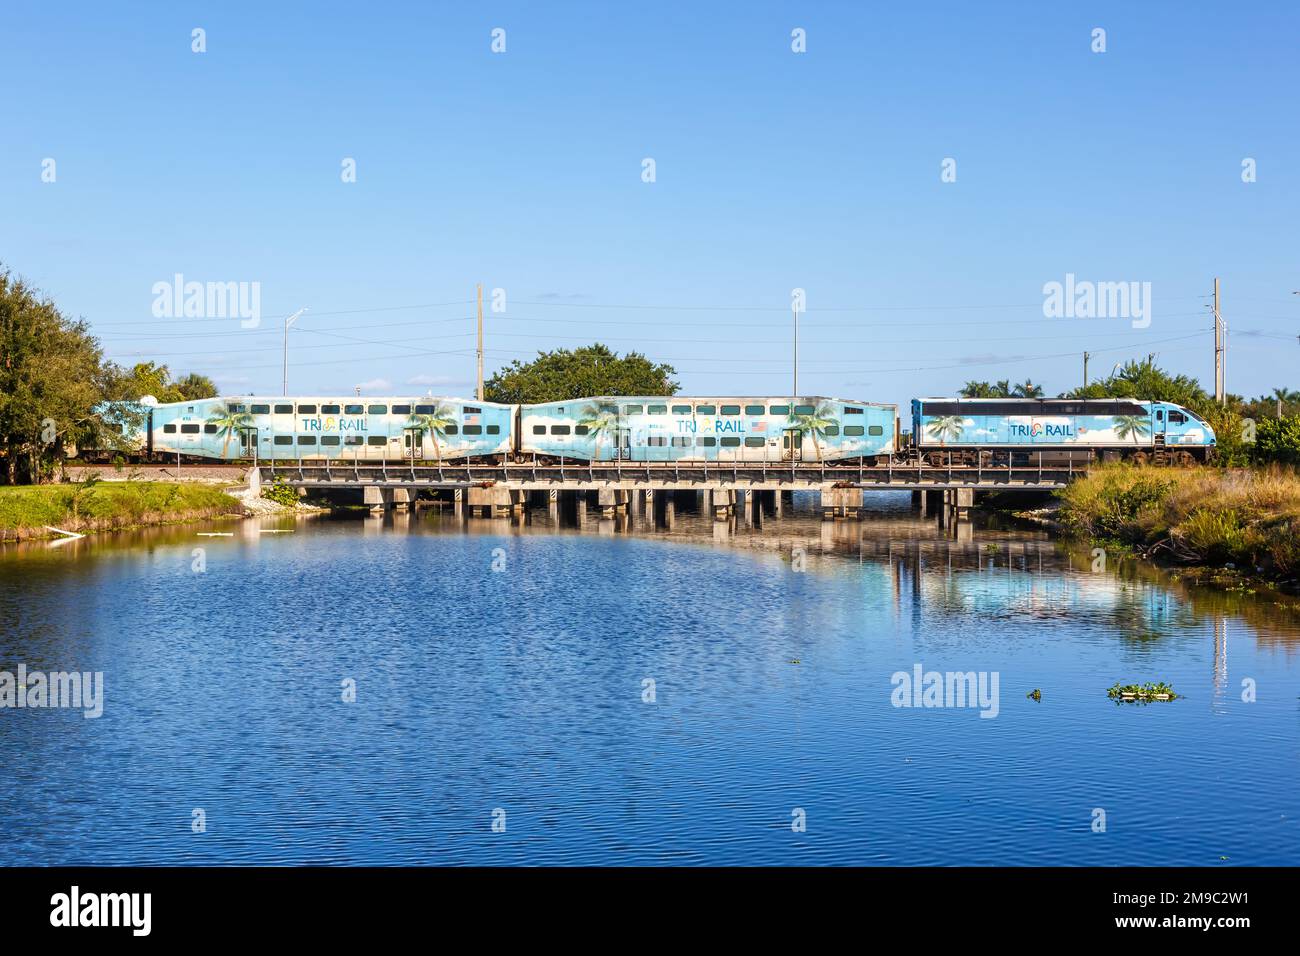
1056 430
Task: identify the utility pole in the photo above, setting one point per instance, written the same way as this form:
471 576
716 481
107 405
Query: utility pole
480 341
795 310
1220 347
1086 356
284 381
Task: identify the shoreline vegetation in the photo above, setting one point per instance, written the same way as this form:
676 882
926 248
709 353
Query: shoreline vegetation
1220 526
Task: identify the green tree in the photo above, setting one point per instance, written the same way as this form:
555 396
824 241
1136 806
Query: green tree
1027 389
945 427
591 370
51 377
974 389
195 386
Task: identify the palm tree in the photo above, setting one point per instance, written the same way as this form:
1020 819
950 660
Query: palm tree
599 420
1134 426
229 424
433 425
945 427
815 424
1027 389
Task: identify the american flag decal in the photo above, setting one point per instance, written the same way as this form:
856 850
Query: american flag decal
760 426
471 419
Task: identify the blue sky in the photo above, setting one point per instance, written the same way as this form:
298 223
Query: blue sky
774 171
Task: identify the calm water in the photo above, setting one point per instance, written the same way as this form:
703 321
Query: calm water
521 689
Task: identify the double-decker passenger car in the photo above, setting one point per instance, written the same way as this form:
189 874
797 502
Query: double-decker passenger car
324 427
723 429
1019 430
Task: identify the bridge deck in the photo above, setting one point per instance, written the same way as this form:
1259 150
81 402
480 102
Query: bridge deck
668 476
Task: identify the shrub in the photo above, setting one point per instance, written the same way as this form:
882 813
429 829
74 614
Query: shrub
281 493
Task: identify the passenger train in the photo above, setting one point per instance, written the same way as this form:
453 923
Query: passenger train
665 429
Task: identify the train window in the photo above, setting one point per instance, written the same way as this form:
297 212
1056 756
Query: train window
804 410
559 429
306 439
706 409
681 409
612 409
377 410
354 409
401 409
1177 418
306 409
1160 415
731 409
236 409
424 409
539 429
209 429
580 429
779 410
755 410
875 429
450 429
473 430
376 440
754 443
169 429
261 409
730 441
656 441
353 440
329 409
471 410
494 429
656 409
284 409
284 439
853 431
329 439
706 442
682 442
633 409
850 410
834 430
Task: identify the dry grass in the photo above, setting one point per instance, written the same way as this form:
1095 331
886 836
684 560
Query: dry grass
1249 518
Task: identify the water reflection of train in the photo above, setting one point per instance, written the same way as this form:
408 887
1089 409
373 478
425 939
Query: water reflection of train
666 429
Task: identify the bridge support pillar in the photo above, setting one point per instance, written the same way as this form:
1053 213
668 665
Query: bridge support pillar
488 501
931 502
458 502
840 502
553 504
402 498
917 501
254 481
378 499
723 503
611 501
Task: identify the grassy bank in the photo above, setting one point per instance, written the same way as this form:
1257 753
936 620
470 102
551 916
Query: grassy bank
1247 519
26 510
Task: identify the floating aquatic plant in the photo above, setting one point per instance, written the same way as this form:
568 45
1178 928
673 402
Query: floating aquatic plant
1141 693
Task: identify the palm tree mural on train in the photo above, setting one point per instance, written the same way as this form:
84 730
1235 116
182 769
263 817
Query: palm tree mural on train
1132 426
945 427
433 424
815 424
600 422
229 424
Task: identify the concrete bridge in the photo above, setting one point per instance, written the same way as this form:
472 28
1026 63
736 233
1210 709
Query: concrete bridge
619 486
